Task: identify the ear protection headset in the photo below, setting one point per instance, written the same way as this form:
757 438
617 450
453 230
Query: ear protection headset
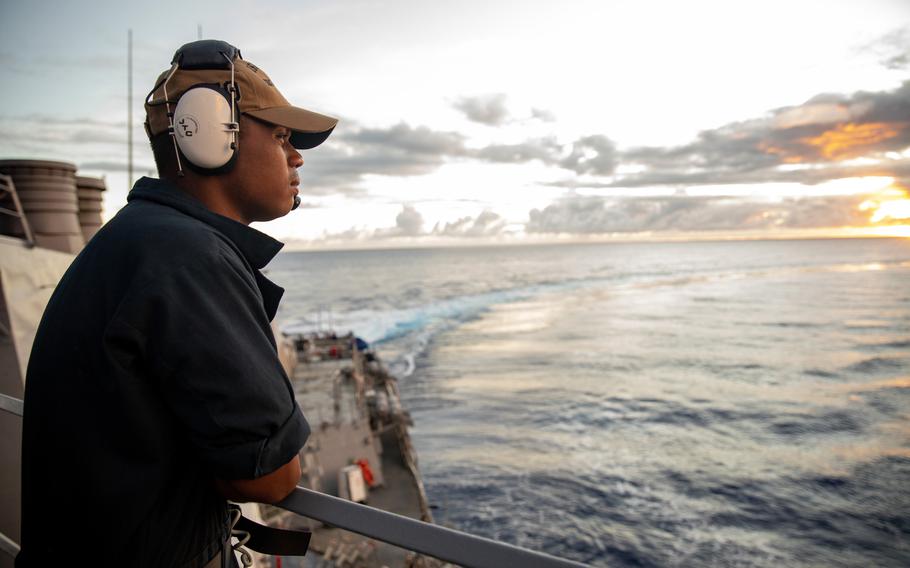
203 123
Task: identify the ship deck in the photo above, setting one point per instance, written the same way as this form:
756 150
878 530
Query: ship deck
315 387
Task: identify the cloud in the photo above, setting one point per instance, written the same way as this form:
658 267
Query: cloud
811 176
577 214
543 115
594 154
491 110
53 121
546 150
892 49
50 130
352 234
409 222
591 155
354 152
420 140
405 150
486 224
806 143
486 109
29 64
111 166
409 227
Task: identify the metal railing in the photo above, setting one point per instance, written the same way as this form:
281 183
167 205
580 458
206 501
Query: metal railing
11 405
432 540
8 545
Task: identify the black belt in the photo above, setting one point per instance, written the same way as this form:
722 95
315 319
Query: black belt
267 540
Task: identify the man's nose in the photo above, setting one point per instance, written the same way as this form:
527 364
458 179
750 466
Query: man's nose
294 158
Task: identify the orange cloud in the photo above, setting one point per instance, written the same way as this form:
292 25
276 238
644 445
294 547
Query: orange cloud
850 140
786 157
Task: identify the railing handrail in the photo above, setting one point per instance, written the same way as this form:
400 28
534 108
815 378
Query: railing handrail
8 546
433 540
11 404
443 543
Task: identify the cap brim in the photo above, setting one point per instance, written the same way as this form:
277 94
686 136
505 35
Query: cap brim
308 129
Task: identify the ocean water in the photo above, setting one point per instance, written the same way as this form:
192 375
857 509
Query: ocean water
659 404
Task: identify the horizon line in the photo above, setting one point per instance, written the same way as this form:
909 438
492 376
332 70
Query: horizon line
600 240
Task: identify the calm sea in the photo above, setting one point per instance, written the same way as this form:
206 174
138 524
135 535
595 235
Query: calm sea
670 404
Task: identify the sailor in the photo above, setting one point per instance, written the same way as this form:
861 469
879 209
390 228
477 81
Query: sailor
154 390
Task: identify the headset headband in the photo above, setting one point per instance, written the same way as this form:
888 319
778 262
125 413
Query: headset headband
206 54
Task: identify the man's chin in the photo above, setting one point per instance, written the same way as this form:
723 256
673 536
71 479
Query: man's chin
265 217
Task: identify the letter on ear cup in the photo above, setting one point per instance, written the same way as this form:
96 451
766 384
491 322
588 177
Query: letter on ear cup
201 126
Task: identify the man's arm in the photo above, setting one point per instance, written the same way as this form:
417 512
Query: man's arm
270 488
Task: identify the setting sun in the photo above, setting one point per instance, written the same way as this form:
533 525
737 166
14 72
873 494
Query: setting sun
897 209
887 208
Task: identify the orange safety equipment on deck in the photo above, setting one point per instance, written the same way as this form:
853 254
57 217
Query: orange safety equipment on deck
367 472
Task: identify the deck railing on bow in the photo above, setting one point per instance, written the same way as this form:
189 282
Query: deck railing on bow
432 540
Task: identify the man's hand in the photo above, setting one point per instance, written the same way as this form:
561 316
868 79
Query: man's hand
270 488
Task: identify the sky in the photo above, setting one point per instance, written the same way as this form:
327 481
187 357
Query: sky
486 122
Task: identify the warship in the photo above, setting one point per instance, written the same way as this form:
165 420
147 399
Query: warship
360 493
359 448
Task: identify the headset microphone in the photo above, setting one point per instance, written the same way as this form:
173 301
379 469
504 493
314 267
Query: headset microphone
296 202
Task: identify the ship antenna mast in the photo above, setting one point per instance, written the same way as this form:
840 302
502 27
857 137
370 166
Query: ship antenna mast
129 110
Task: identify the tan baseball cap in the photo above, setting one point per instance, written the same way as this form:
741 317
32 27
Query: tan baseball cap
258 96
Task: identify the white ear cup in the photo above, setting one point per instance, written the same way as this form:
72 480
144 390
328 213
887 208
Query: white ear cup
202 127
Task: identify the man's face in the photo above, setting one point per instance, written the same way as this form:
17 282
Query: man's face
264 180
